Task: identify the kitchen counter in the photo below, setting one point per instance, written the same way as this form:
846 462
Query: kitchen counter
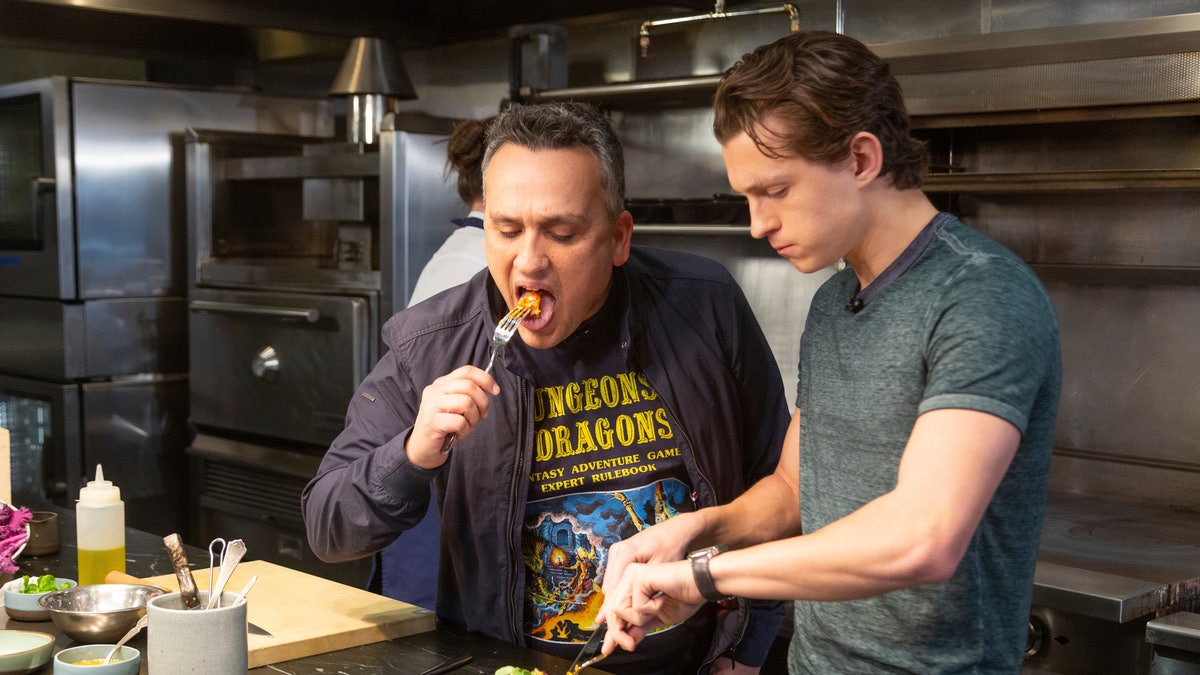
146 557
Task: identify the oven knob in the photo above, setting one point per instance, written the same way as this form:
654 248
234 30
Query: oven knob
1037 636
265 365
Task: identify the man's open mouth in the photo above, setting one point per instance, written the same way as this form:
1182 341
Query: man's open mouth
538 321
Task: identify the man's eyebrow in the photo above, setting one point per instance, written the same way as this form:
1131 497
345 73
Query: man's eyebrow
552 219
756 187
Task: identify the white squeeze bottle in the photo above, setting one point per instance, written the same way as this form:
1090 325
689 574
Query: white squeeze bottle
100 530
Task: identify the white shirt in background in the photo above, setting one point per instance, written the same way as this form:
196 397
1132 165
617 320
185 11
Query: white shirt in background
457 260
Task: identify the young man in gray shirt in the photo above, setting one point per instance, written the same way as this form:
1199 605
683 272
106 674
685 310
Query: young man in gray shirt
905 513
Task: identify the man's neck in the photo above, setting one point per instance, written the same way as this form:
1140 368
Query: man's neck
895 220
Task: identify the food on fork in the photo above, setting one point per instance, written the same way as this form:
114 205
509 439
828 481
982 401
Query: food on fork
532 301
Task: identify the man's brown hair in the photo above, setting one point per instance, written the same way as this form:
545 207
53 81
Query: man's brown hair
818 89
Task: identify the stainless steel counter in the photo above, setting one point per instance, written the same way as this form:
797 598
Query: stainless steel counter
1117 560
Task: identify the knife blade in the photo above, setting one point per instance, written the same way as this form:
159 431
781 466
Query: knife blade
590 654
447 666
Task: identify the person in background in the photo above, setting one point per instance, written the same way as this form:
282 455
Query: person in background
407 569
643 389
461 255
905 513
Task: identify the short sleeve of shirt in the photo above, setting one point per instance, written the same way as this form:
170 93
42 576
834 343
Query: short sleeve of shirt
992 330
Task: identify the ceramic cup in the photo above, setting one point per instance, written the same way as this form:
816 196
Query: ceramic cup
196 640
45 537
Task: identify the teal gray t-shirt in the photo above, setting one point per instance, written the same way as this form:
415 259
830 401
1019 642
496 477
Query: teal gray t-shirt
960 322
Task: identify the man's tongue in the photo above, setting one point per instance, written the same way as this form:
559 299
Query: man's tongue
539 321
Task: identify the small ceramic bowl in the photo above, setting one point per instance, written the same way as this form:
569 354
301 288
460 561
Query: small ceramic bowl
23 651
24 606
127 661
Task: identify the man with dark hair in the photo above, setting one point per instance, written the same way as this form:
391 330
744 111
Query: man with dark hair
905 513
643 389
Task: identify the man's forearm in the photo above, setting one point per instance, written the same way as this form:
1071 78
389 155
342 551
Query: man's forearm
354 508
769 510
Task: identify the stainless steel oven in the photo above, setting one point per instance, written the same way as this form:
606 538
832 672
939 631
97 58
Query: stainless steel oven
87 171
134 426
36 229
298 251
93 283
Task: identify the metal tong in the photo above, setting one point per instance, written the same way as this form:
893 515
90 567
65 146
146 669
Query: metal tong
231 555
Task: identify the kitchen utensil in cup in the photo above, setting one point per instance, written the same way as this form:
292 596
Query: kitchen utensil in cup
246 589
229 561
216 558
179 561
203 641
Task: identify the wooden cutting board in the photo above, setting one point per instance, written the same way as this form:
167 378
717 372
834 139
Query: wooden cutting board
308 615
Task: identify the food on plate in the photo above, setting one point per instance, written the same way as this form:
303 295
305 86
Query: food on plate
532 301
513 670
42 584
14 532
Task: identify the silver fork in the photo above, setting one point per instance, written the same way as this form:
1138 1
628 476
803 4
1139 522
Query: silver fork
505 330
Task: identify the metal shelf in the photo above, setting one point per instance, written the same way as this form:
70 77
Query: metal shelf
680 91
692 229
1063 181
1117 275
967 80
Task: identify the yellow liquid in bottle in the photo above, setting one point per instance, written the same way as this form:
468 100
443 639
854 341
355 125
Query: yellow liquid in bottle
95 565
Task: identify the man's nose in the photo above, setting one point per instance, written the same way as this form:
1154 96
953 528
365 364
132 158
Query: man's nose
762 220
531 255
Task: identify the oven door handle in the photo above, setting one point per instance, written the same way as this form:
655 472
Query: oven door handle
309 314
39 187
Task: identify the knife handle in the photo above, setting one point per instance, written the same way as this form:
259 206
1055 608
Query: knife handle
187 585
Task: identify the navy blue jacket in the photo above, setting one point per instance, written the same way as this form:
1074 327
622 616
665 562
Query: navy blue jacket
687 325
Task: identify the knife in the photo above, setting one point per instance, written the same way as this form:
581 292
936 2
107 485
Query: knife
590 654
187 585
448 666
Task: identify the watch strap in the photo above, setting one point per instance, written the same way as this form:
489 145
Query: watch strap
701 574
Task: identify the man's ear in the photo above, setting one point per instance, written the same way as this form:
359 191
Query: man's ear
622 238
867 153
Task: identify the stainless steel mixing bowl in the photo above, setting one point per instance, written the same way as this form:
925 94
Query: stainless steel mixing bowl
98 613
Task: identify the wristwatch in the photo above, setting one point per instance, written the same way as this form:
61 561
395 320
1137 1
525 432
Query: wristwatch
699 559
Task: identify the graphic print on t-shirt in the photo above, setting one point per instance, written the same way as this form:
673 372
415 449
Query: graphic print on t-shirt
607 465
566 542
